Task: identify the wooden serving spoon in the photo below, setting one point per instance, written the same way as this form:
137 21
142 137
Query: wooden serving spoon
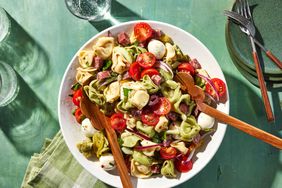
198 95
99 121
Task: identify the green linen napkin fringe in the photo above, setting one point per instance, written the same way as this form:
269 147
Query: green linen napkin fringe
55 166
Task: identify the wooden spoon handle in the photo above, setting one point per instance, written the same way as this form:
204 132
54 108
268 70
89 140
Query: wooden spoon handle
123 172
274 59
263 89
245 127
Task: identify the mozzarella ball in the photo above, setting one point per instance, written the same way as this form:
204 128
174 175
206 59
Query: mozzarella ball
107 161
87 129
205 121
157 48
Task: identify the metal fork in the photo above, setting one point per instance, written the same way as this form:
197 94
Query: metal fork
249 28
243 8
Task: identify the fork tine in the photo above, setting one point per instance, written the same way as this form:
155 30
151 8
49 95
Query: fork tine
248 9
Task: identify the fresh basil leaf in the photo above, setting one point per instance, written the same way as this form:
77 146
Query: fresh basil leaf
107 65
75 87
126 91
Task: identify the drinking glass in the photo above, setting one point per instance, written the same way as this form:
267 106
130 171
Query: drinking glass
21 51
24 119
91 10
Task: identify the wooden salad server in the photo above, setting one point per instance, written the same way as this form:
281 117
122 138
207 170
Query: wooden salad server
198 95
99 121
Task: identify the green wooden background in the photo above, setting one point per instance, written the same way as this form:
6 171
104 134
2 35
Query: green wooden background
241 161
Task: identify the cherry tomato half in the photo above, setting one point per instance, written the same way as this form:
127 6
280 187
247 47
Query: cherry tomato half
78 115
181 163
135 71
142 31
168 153
149 118
118 123
146 60
186 67
163 107
150 72
77 97
219 86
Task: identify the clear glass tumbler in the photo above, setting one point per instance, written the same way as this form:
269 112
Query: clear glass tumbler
92 10
24 119
21 51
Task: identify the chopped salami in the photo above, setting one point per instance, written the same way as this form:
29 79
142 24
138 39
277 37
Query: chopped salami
195 63
123 39
98 62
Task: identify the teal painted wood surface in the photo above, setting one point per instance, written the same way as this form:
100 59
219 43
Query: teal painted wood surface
241 161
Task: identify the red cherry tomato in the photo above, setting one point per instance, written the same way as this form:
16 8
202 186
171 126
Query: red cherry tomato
118 123
78 115
219 86
149 118
181 163
77 97
150 72
142 31
186 67
135 71
168 153
146 60
163 107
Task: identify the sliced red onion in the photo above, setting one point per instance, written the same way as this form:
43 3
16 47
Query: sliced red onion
164 66
126 75
102 75
197 139
138 134
211 83
173 116
166 143
154 99
157 79
206 134
147 147
191 154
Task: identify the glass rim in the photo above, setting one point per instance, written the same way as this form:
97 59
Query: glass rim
82 17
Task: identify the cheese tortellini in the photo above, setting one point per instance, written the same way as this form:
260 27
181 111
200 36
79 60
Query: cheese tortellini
121 60
104 47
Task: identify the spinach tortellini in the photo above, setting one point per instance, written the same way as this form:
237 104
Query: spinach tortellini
129 140
171 90
86 147
94 94
185 98
100 143
140 170
149 85
142 158
135 50
189 128
148 130
168 169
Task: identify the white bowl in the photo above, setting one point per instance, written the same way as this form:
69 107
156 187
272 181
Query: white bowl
71 131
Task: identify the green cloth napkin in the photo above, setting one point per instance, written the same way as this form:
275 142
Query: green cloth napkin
55 167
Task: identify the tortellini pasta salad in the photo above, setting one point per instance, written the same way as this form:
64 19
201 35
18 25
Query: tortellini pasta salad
131 78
